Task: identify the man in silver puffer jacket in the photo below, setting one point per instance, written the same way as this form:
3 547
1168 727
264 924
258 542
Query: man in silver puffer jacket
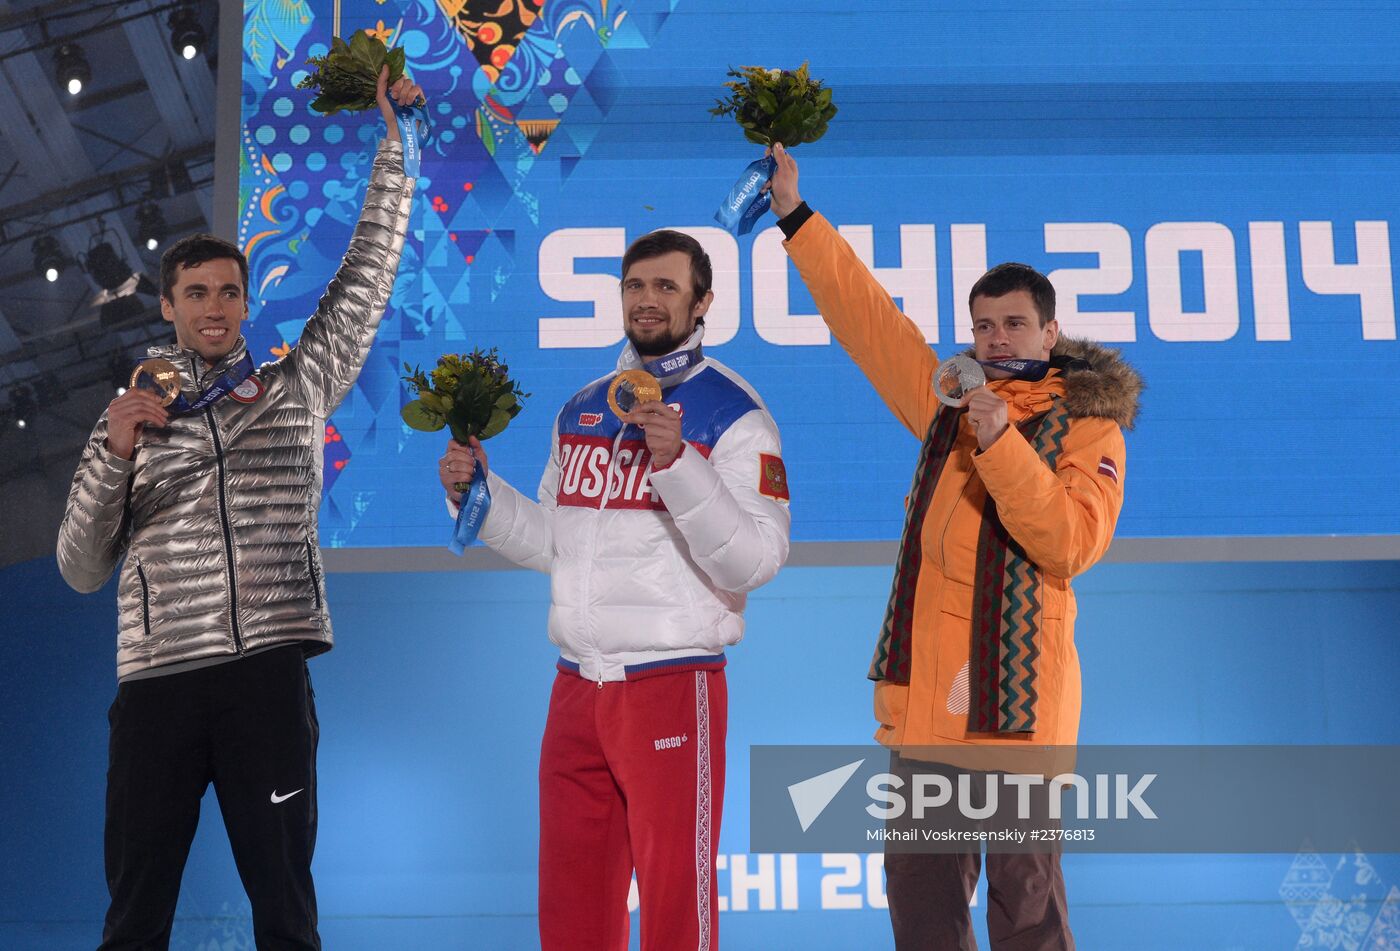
213 505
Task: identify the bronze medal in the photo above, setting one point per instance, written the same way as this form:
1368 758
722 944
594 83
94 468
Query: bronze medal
634 386
158 375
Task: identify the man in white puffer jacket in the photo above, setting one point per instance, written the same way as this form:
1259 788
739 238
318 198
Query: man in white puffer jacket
652 530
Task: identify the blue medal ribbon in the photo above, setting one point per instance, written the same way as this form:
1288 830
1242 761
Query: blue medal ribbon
415 131
220 388
1019 368
673 364
747 201
471 515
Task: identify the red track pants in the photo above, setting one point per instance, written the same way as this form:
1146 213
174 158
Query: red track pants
632 776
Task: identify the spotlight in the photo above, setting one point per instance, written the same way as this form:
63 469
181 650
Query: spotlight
187 37
106 267
151 230
72 68
120 285
119 366
49 259
22 406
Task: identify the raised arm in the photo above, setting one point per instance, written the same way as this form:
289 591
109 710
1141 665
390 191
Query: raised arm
887 346
337 338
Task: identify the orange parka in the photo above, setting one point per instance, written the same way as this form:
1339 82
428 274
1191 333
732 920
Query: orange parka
1063 519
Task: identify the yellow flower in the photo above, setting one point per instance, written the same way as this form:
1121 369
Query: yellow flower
381 32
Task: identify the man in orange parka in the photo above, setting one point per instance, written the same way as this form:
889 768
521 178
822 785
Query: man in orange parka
1012 497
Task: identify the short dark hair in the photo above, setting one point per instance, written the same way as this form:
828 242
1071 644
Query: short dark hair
1011 276
192 251
661 242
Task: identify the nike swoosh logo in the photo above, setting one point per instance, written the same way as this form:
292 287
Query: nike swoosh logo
276 798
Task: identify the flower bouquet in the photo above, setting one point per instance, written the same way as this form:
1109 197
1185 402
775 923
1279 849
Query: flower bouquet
777 105
770 105
347 76
473 395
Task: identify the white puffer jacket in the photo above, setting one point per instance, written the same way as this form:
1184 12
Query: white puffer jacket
653 576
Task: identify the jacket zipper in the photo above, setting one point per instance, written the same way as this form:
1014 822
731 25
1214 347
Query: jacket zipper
315 576
145 599
228 530
602 505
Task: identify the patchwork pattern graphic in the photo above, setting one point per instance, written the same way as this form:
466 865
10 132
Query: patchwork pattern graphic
517 90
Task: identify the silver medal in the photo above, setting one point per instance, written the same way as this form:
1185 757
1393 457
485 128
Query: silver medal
956 377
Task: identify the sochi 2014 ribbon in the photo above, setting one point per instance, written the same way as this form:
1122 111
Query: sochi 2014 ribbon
747 200
415 131
960 374
471 515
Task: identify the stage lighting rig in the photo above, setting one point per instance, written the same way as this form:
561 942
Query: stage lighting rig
22 406
72 68
106 267
119 366
118 301
187 37
49 259
151 229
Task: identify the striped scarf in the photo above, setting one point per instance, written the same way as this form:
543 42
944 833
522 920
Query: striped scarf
1006 606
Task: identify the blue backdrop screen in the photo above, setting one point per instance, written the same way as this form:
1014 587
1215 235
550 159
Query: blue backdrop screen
1210 190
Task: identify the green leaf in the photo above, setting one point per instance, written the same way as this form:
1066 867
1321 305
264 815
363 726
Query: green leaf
396 60
496 424
824 98
767 100
419 417
362 47
757 138
505 401
439 403
789 117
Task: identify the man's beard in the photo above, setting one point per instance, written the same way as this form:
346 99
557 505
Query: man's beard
658 346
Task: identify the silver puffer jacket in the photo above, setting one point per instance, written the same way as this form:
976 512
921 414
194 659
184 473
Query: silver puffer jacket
216 514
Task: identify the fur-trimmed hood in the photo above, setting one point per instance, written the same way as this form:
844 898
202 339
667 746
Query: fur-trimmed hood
1110 387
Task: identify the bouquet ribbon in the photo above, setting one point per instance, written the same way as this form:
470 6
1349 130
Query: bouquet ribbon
747 201
409 119
471 515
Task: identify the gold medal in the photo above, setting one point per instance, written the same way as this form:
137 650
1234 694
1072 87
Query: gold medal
635 386
158 375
